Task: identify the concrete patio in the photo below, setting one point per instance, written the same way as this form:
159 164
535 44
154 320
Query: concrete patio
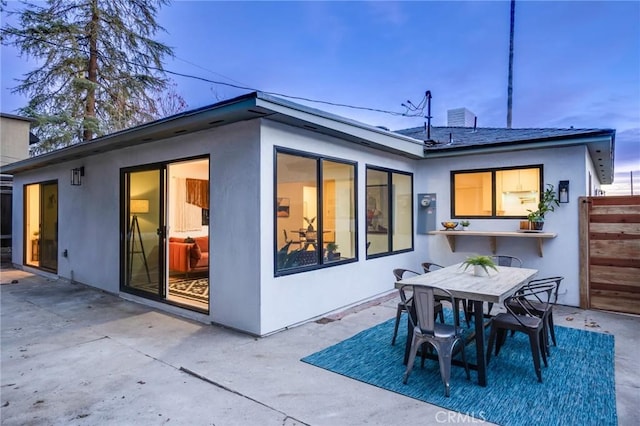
73 355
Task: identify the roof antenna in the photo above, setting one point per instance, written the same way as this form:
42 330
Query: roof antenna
427 125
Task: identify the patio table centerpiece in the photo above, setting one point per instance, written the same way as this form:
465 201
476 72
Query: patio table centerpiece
481 265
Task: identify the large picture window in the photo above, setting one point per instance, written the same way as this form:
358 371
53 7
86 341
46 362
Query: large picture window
389 211
314 210
505 192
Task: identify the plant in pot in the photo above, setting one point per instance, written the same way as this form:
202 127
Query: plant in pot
465 224
548 203
310 223
480 263
332 253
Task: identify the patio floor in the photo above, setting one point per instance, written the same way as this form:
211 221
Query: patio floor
76 355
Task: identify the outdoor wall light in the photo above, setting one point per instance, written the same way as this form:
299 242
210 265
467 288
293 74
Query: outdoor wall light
563 191
76 176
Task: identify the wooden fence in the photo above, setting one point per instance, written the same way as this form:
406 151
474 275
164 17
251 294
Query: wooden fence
610 253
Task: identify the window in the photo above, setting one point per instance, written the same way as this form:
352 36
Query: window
389 211
508 193
315 205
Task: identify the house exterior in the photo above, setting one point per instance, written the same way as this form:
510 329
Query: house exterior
231 213
15 137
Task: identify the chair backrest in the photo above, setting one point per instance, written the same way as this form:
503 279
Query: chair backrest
425 302
399 273
429 266
522 303
555 281
503 260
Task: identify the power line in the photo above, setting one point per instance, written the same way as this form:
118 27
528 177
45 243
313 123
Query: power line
415 111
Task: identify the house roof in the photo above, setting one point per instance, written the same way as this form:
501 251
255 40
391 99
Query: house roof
408 142
251 106
454 141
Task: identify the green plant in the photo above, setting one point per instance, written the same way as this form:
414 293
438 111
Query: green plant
548 202
484 261
310 223
332 247
465 223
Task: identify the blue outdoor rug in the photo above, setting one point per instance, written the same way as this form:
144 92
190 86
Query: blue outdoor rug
578 385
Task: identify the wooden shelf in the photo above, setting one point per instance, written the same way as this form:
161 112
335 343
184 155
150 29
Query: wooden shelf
493 236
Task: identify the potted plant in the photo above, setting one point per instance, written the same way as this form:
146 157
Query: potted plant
548 203
332 253
310 223
465 224
479 264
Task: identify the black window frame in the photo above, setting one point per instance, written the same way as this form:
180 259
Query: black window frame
390 173
493 171
319 196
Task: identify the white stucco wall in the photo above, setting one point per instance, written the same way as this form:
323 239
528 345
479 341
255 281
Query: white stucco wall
560 254
294 298
244 293
89 222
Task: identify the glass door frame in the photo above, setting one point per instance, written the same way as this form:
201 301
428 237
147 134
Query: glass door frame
129 233
39 247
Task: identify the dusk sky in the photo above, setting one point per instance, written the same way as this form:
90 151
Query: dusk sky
575 63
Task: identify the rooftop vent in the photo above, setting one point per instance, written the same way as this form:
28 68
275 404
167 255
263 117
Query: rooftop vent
460 117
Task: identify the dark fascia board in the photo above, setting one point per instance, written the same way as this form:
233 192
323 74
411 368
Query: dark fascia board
340 127
237 109
246 107
599 143
17 117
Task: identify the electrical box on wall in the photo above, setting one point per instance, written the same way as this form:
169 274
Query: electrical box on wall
426 213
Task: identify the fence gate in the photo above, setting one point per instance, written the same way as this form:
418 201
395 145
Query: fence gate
610 253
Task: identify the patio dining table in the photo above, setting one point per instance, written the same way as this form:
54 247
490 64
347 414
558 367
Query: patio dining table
492 288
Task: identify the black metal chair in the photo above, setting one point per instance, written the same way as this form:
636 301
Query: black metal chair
521 316
442 337
405 303
539 308
430 266
504 260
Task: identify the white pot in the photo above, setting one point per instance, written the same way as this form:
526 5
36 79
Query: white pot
478 271
464 228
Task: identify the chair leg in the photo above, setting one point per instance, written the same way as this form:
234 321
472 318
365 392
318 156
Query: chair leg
543 346
444 359
551 329
534 340
502 336
492 338
464 358
412 357
399 310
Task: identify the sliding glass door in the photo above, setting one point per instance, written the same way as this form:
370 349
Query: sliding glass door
165 232
144 235
41 226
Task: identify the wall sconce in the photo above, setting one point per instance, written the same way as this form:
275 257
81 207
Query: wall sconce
76 176
563 191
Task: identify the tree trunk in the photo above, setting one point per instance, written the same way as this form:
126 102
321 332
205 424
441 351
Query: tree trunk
92 71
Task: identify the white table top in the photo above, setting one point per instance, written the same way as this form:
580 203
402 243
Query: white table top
494 288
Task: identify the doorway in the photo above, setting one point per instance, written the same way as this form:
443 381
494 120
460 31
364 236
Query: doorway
166 233
41 226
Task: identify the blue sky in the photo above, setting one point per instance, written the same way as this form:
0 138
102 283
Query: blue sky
575 63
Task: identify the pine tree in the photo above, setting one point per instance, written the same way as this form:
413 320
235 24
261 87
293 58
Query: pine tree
101 69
